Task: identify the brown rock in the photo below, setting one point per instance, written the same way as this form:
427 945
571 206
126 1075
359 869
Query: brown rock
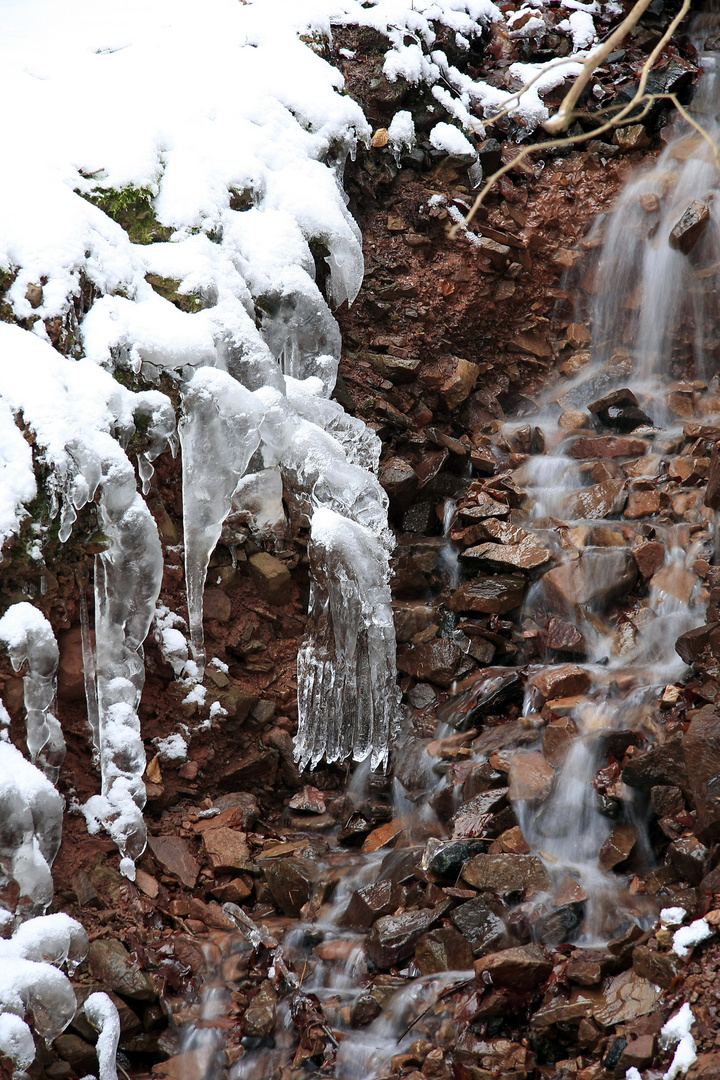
70 678
626 997
271 576
650 202
370 903
564 637
599 500
632 137
411 617
308 801
557 739
691 645
649 556
479 815
392 939
607 446
685 234
216 605
174 855
701 752
528 342
571 419
569 891
506 874
638 1053
664 764
188 1065
292 882
691 858
481 921
594 576
618 845
712 492
112 966
490 595
667 800
530 777
527 555
437 661
444 949
642 504
578 335
451 377
258 765
483 508
396 369
565 680
226 850
707 1067
259 1019
658 967
521 968
400 481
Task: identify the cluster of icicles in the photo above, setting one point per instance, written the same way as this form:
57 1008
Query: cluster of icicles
35 947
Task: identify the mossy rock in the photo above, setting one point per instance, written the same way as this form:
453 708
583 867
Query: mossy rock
168 288
133 209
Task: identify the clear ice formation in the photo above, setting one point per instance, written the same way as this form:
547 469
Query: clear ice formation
29 638
103 1015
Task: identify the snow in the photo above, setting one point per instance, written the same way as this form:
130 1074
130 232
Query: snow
172 749
16 1041
451 140
688 936
673 916
676 1032
103 1015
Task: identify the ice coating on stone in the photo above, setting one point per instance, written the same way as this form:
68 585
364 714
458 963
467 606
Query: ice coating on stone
56 939
103 1015
39 988
16 1041
31 813
258 501
359 442
29 638
347 692
219 433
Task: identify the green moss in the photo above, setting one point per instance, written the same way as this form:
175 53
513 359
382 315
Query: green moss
168 288
133 209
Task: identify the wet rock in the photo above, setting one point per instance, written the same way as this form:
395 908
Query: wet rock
174 855
649 557
226 850
667 800
370 903
396 369
259 765
564 637
70 678
569 891
436 661
522 968
530 778
392 939
292 882
618 845
411 617
607 446
565 680
78 1053
259 1019
598 501
506 874
691 645
271 576
444 949
485 697
112 966
479 816
490 595
447 860
483 508
527 555
691 858
364 1009
642 504
482 922
625 997
451 377
401 865
664 764
712 491
400 481
594 576
559 925
309 801
701 752
685 234
570 419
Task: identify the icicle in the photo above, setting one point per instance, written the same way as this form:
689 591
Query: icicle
219 433
29 637
89 666
347 692
300 330
128 575
103 1015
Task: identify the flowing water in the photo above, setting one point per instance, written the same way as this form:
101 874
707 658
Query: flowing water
651 308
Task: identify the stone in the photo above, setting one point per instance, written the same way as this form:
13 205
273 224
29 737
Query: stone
607 446
364 1009
78 1053
712 491
691 645
447 861
614 398
477 816
571 419
259 765
527 555
564 680
482 923
663 764
174 856
396 369
400 481
216 605
706 1067
701 753
618 845
691 858
411 617
559 925
112 966
70 678
226 850
147 884
484 508
243 802
625 997
370 903
187 1066
667 800
309 801
485 697
490 595
557 739
564 637
392 939
685 234
521 968
292 882
599 575
505 874
444 949
661 968
530 778
569 891
84 890
649 556
259 1018
598 501
451 377
631 137
642 504
534 344
578 335
271 576
436 661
